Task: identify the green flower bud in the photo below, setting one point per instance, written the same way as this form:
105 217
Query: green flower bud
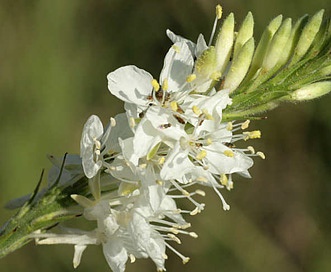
239 66
311 91
244 34
263 45
292 41
277 45
307 36
224 43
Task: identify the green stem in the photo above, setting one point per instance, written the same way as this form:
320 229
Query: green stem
51 209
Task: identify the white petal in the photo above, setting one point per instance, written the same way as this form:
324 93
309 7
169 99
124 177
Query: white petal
176 38
177 164
120 130
146 137
178 64
222 164
93 129
131 84
115 254
79 249
201 46
159 117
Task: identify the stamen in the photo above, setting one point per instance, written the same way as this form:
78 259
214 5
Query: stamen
132 258
229 126
196 110
228 153
201 155
156 85
260 154
208 116
174 238
132 122
165 85
184 259
216 76
218 16
255 134
161 160
224 179
174 106
176 48
190 78
112 122
245 124
209 141
251 149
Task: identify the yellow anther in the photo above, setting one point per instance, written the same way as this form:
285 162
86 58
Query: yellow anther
228 153
219 12
156 85
174 105
202 179
209 141
229 126
127 188
245 124
186 260
202 154
161 160
196 110
255 134
159 182
193 235
165 85
143 166
251 149
200 192
132 258
215 76
190 78
185 193
260 154
112 122
224 179
207 115
132 122
176 48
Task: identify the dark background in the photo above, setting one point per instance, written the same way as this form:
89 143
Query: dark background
54 58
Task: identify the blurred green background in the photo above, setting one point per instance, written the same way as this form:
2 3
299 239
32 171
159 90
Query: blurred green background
54 58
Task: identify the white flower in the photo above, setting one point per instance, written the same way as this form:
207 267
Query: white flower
139 91
90 146
97 145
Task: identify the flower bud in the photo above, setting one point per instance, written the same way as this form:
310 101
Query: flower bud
292 41
263 45
224 43
277 45
311 91
239 66
244 34
308 35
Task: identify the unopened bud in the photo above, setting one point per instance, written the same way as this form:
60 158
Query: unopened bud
311 91
239 66
277 45
224 43
244 34
308 35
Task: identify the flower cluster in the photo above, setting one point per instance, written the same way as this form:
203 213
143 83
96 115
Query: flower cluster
174 139
169 143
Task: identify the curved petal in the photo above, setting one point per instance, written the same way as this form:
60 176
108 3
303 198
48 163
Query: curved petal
131 84
178 64
93 129
115 254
